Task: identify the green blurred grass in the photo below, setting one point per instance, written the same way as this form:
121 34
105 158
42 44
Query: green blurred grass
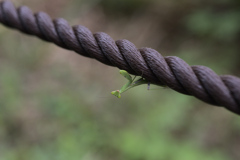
56 104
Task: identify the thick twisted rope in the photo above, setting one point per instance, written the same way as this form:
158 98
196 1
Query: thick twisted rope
171 71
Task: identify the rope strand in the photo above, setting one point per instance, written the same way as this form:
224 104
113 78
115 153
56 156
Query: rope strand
198 81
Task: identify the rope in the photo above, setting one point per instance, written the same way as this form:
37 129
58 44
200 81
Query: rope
198 81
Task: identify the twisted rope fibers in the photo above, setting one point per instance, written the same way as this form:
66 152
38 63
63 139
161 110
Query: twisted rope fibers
171 71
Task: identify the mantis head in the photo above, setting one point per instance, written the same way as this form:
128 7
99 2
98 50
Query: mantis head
116 93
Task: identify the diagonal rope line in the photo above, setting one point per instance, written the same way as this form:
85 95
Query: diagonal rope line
198 81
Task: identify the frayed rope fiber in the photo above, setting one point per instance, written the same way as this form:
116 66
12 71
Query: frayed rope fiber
198 81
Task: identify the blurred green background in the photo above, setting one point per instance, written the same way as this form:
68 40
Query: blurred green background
55 104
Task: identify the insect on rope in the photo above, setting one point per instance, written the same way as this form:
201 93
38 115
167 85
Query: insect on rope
130 84
171 71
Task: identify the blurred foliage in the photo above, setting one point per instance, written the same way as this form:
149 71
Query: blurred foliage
57 105
123 7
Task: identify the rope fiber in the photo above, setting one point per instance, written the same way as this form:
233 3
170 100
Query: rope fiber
198 81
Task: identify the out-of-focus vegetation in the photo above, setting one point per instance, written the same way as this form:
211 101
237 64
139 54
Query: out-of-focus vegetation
55 104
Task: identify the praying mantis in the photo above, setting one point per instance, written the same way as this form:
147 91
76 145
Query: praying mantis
130 84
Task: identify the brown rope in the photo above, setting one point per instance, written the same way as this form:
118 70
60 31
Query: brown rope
171 71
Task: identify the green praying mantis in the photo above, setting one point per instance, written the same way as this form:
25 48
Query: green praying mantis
130 84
